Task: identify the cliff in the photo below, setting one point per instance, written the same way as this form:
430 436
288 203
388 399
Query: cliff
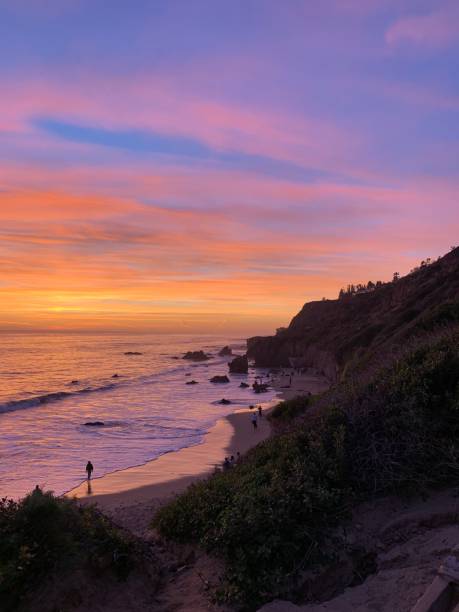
331 335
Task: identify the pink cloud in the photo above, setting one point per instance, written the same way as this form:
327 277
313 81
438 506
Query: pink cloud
158 103
439 28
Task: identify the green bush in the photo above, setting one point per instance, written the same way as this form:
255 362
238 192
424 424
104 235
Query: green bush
43 534
441 315
271 515
288 410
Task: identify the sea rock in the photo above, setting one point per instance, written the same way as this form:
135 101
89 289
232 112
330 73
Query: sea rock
115 376
224 401
244 385
133 353
74 382
94 424
225 351
192 382
196 356
260 387
239 365
220 379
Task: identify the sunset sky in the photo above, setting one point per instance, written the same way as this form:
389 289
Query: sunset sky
212 165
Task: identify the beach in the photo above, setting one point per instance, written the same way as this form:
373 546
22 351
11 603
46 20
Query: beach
288 383
132 495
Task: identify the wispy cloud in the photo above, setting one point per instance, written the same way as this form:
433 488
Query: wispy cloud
437 28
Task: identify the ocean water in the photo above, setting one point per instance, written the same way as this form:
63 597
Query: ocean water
51 385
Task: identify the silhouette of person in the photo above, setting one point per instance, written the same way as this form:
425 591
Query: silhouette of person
89 469
260 411
254 420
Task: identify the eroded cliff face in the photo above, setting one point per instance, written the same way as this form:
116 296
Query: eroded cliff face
287 351
332 335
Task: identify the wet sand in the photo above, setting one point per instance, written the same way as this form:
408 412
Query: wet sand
131 496
140 489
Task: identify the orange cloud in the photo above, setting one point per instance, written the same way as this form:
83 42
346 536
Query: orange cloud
83 261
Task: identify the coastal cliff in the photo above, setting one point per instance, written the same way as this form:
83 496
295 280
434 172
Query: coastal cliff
330 335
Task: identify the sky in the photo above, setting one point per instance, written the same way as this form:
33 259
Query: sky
211 165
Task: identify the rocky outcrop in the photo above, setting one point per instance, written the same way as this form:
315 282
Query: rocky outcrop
333 335
244 385
260 387
224 401
196 356
219 379
225 351
192 382
132 353
239 365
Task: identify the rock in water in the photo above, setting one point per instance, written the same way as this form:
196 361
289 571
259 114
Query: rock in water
74 382
115 376
244 385
224 401
239 365
192 382
94 424
132 353
260 387
196 356
225 351
219 379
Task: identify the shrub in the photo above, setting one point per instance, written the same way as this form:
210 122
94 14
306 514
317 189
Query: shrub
43 534
288 410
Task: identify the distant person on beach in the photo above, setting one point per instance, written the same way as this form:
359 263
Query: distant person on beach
226 464
260 411
254 420
238 456
89 469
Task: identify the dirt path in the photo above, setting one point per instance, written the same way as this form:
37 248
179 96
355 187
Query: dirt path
408 541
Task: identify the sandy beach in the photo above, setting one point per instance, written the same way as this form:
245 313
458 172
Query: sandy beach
289 384
130 496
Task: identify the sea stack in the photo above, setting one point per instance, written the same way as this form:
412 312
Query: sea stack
225 351
239 365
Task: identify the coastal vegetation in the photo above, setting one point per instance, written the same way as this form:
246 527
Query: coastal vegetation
273 515
45 539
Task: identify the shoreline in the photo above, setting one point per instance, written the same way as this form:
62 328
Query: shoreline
132 495
154 482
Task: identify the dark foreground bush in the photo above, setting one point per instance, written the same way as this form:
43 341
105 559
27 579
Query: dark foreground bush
286 411
43 536
271 515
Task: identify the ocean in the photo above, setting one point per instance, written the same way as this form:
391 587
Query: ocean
52 385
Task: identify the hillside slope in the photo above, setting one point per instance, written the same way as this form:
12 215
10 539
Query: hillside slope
331 335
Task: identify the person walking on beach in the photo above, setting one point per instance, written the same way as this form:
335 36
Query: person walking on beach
254 420
260 411
89 469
